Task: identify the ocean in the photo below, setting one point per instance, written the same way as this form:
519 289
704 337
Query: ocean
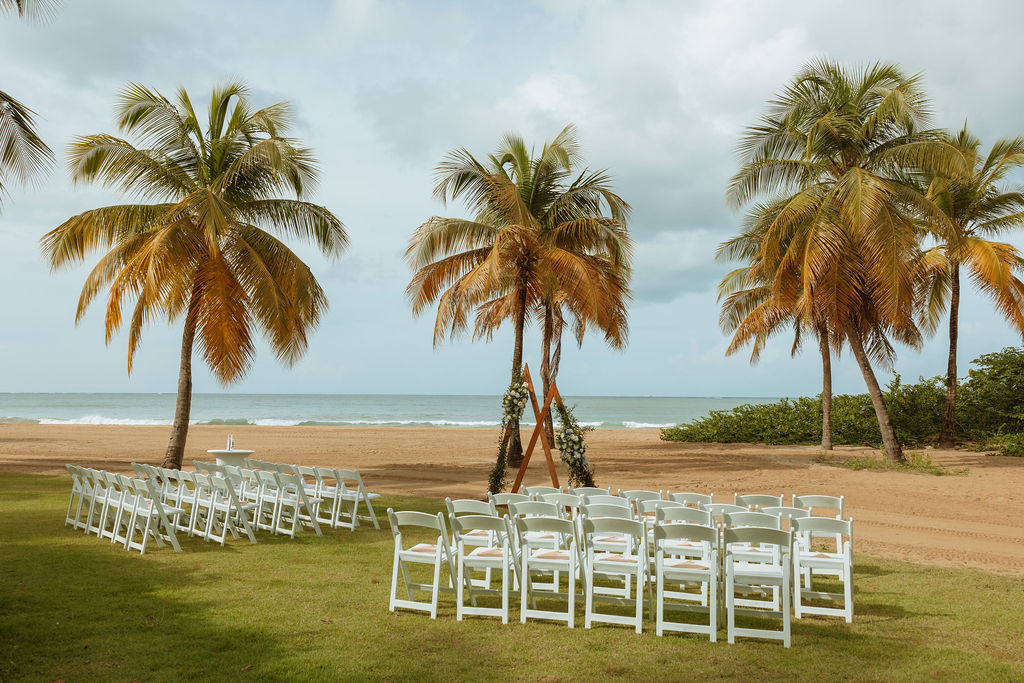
631 412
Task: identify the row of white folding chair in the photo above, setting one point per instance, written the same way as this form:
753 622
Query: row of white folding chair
343 489
211 500
629 559
119 508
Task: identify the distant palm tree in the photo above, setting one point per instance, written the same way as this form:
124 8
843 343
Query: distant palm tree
534 224
203 246
834 147
977 205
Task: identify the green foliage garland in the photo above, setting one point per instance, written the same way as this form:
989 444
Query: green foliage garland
513 403
572 445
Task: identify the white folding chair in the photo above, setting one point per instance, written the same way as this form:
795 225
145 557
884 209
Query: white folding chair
503 499
150 518
691 499
296 508
681 547
629 564
437 554
537 556
80 493
496 555
838 563
701 571
227 512
351 494
740 573
756 501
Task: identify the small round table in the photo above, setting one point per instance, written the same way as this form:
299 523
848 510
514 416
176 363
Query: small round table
231 456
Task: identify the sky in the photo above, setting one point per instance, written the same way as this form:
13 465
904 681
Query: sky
659 91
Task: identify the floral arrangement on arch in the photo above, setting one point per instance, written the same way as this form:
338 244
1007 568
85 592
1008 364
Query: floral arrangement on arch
513 403
571 442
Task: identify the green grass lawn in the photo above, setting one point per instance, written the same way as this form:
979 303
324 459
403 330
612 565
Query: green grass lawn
73 607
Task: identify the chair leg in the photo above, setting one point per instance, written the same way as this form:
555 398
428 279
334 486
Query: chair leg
572 592
524 588
437 586
786 619
713 607
640 584
394 581
504 591
460 589
730 607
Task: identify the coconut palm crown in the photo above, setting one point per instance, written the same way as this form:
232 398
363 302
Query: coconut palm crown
202 242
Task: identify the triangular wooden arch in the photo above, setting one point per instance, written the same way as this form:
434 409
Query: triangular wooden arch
538 431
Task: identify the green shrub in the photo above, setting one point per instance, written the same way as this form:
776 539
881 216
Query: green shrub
990 406
991 401
1010 444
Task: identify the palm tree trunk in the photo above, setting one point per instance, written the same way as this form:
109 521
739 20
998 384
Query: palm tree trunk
545 367
826 389
183 406
515 446
946 433
891 446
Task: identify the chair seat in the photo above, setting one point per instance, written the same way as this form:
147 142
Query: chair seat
758 569
553 555
477 532
486 552
688 564
615 557
423 548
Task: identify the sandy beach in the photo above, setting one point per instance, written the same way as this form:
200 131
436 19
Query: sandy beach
972 520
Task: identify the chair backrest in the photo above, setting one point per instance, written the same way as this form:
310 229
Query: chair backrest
422 520
635 495
753 501
326 473
760 536
590 491
417 519
814 503
824 527
545 525
787 512
469 506
534 508
467 523
309 475
601 499
616 511
738 520
719 509
499 499
649 507
689 498
537 490
683 513
286 468
201 466
688 532
565 501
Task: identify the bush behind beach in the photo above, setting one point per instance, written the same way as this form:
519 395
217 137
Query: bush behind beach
990 408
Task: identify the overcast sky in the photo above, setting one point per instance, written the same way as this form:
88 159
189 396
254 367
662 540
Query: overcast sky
660 93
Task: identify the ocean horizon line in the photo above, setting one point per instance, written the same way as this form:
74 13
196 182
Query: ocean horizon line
357 394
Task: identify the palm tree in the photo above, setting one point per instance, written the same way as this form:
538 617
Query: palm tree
750 313
202 243
534 223
976 206
834 148
23 154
